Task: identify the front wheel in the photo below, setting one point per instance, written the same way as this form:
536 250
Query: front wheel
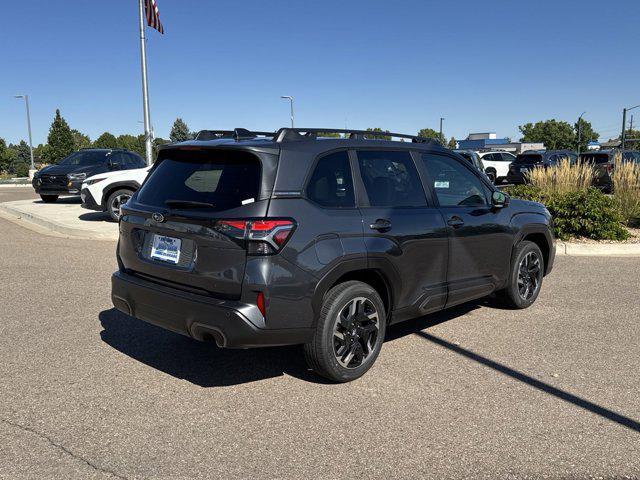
49 198
525 277
349 332
115 201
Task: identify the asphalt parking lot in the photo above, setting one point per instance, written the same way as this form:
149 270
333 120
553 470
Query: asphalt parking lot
86 392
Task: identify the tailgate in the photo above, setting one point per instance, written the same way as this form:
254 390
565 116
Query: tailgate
167 229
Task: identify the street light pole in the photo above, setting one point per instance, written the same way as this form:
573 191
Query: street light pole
580 130
441 139
26 102
290 98
624 124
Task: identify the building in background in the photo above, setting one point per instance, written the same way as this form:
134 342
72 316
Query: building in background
488 141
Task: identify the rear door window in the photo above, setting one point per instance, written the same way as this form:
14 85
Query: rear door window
390 179
212 180
331 184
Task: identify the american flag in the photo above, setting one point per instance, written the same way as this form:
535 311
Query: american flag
153 17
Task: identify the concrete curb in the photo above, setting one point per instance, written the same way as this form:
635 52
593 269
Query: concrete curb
18 215
598 249
15 185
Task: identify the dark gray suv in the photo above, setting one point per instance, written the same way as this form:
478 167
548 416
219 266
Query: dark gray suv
255 239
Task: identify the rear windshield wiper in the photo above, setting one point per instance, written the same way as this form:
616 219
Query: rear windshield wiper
188 203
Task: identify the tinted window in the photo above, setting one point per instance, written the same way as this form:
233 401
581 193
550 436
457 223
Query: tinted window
331 184
84 158
507 158
224 179
454 184
492 157
391 179
117 158
595 157
529 158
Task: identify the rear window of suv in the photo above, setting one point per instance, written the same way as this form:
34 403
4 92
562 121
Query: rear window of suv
214 180
595 158
528 158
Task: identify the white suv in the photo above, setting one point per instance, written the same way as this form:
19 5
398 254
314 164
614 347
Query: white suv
106 192
496 165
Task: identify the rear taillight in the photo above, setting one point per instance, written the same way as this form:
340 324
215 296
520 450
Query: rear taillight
610 168
262 237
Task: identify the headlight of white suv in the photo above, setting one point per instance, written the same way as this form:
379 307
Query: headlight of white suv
91 181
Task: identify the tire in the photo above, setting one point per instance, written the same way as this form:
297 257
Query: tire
49 198
115 200
347 358
526 253
491 173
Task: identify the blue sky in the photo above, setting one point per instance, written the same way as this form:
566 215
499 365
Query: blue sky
484 66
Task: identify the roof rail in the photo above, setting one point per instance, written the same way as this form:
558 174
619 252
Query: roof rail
299 134
237 134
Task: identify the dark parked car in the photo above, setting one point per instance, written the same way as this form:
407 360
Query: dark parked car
67 176
603 162
258 239
531 159
474 159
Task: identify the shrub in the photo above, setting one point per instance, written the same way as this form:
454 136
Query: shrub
587 213
19 168
526 192
562 177
626 188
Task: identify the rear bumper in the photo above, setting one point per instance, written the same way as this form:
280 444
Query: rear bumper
516 178
231 324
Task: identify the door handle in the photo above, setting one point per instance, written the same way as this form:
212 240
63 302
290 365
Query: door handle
455 222
380 224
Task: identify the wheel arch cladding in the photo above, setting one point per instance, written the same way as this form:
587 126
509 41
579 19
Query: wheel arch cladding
375 279
540 239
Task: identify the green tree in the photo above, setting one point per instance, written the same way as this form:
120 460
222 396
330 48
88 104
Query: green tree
106 140
80 140
377 130
452 143
431 133
555 135
60 139
134 144
42 153
180 131
4 156
586 134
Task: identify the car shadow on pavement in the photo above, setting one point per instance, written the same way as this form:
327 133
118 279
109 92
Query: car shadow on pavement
200 363
64 200
95 217
206 365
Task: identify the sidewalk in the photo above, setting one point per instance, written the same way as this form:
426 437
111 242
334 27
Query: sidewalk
65 217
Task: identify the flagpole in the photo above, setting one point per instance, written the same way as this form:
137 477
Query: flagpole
145 87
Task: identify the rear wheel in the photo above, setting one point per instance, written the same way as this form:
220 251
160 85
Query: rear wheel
49 198
349 332
491 173
116 200
525 277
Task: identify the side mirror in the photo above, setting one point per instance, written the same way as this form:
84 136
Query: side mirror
499 199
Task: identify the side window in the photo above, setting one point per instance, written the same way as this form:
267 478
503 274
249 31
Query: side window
391 179
454 184
116 158
507 158
331 184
